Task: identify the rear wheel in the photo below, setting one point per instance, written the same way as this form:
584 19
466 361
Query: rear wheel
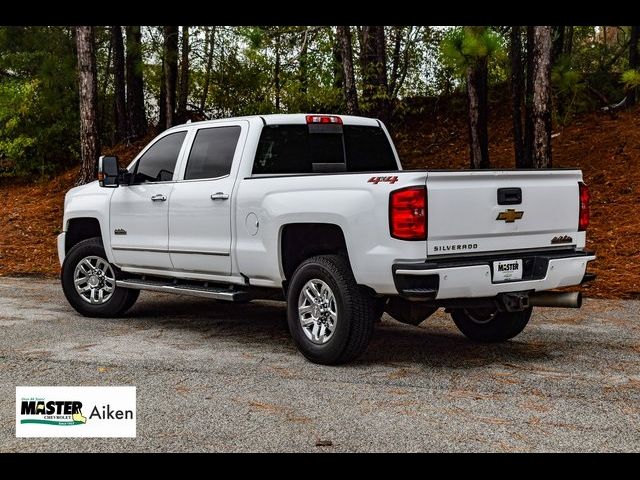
330 317
490 324
89 282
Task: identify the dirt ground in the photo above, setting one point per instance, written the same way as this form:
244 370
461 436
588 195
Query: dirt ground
31 218
606 148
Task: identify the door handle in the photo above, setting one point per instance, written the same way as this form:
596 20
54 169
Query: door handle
219 196
159 198
509 196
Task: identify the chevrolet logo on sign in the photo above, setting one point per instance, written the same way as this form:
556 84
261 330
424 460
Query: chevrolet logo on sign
510 215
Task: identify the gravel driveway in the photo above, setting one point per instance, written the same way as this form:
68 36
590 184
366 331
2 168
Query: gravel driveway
223 377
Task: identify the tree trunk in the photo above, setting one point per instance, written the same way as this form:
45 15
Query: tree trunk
170 51
381 57
557 39
368 56
395 61
634 54
135 86
338 68
568 43
634 60
374 72
304 63
184 75
560 36
343 34
515 54
360 38
394 89
162 99
276 72
102 96
528 104
542 97
210 36
88 94
383 104
119 101
477 76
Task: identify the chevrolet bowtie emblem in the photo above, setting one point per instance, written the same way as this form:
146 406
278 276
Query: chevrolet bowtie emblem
510 215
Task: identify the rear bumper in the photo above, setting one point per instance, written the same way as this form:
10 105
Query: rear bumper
472 277
61 247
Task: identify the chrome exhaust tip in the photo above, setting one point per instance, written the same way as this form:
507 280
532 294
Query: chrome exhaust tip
556 299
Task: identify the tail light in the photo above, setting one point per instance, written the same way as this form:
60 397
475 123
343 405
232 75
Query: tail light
408 213
324 119
583 219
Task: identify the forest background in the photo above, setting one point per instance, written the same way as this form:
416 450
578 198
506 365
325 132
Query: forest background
452 97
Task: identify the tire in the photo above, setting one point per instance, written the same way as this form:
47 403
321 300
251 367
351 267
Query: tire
483 325
112 303
349 312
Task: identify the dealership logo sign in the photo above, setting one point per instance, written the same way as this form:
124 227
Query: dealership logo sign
75 411
51 412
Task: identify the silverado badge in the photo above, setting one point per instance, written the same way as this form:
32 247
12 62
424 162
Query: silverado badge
510 215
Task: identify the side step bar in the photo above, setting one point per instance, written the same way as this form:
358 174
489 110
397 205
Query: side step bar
217 293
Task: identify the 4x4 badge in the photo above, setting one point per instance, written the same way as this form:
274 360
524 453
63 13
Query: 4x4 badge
120 231
510 215
389 179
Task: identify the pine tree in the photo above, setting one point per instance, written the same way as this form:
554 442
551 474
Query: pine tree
343 35
88 94
542 97
515 56
120 105
135 83
170 52
468 50
183 91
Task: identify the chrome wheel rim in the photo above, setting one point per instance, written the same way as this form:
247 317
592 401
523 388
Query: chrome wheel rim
317 311
94 280
481 315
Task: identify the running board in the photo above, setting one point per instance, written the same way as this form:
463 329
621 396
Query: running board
217 293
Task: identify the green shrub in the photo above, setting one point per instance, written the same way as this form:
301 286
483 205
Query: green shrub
631 79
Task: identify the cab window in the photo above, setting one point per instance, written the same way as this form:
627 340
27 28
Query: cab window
212 152
159 161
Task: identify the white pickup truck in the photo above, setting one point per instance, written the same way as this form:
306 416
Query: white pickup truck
317 210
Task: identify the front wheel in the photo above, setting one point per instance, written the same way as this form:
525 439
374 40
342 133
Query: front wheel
89 282
490 325
330 318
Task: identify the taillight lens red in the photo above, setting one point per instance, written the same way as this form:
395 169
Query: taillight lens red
408 213
583 219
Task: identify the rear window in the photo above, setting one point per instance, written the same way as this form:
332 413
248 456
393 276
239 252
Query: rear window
322 148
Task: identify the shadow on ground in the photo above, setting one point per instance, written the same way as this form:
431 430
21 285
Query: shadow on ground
436 342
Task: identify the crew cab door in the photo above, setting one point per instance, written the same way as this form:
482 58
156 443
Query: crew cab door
200 205
139 213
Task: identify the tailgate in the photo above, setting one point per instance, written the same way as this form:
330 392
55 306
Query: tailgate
466 215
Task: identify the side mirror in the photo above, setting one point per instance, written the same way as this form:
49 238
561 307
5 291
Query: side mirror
108 172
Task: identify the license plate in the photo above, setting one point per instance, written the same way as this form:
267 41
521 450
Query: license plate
507 270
